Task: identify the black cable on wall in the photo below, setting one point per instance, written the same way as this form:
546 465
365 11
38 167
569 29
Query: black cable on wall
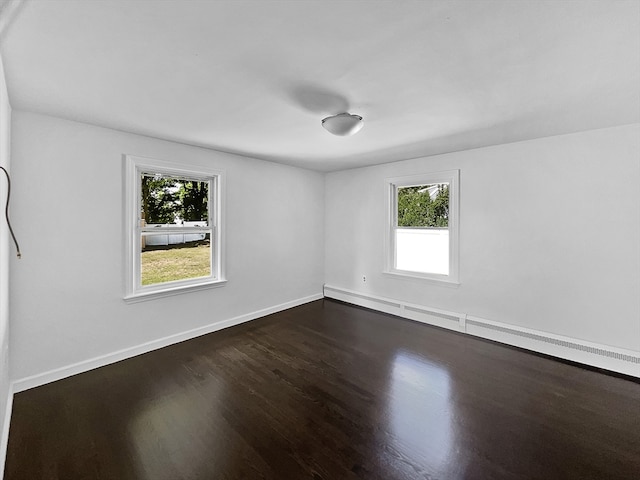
6 212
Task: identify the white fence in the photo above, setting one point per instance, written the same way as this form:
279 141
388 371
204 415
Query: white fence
422 250
158 239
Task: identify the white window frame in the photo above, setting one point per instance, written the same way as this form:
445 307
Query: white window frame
134 167
452 177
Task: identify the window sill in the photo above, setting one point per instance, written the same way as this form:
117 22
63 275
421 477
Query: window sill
406 275
168 292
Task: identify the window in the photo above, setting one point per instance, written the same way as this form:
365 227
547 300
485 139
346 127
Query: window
422 234
173 228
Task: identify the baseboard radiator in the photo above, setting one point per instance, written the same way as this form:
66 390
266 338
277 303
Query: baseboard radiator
601 356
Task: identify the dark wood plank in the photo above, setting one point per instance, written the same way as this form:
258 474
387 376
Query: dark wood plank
329 391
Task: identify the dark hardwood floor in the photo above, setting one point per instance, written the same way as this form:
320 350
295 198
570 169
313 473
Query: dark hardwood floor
329 391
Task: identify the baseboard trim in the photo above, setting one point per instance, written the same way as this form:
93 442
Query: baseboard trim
626 362
4 439
39 379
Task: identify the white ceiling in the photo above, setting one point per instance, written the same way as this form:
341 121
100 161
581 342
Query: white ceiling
256 77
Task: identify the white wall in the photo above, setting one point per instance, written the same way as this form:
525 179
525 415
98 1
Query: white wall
5 137
553 248
549 234
67 290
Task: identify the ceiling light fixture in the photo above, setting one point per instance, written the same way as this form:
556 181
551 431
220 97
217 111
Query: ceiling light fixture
343 124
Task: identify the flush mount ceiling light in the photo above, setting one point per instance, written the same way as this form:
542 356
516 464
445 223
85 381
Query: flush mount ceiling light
343 124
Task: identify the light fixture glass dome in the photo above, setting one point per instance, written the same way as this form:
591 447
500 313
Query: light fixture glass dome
343 124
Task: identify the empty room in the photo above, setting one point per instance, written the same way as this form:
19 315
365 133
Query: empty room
319 239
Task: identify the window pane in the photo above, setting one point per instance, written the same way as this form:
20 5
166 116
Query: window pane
174 256
169 199
423 205
422 236
424 250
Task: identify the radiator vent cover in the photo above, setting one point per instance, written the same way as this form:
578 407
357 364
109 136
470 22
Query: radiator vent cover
555 341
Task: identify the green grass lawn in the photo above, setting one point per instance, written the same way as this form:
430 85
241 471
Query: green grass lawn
160 266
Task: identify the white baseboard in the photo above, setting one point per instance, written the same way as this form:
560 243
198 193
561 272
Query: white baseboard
102 360
594 354
4 439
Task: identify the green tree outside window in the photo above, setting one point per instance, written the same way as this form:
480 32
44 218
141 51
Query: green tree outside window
424 206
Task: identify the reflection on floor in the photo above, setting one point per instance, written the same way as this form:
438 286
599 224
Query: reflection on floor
329 391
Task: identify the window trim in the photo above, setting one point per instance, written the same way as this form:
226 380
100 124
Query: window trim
134 166
452 177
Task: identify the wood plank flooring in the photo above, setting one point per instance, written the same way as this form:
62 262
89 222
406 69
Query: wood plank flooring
328 391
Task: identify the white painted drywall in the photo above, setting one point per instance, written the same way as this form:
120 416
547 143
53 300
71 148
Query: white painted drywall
549 234
5 140
67 290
